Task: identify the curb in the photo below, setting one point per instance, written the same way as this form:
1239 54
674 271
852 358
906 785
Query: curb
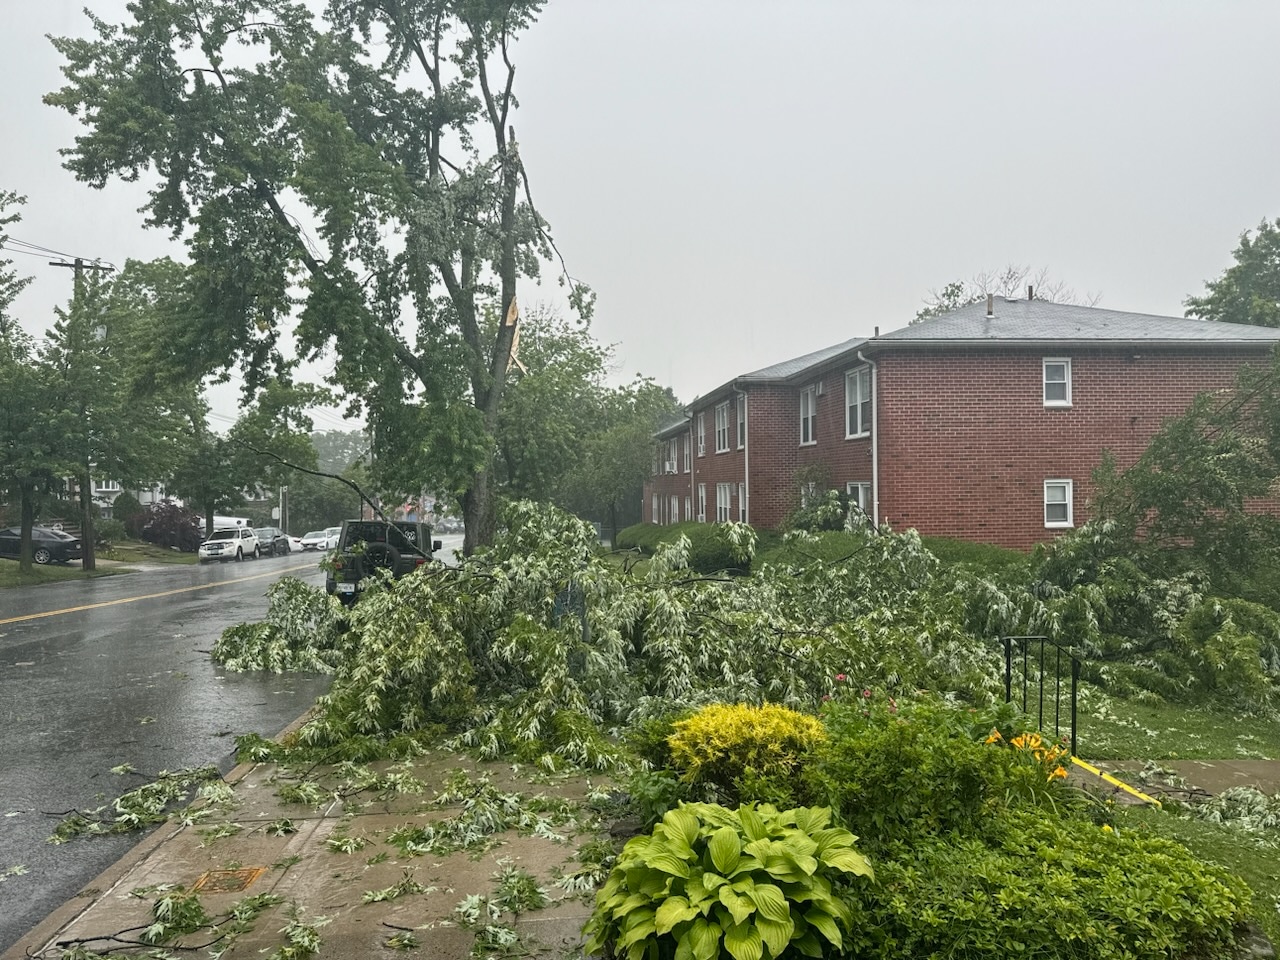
45 933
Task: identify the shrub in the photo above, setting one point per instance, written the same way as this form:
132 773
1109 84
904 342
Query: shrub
129 512
171 525
744 752
713 547
755 880
984 557
898 774
1048 888
108 531
1234 650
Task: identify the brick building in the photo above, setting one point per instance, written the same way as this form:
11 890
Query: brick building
984 424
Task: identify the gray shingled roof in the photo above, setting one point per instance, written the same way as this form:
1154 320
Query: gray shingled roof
789 368
1040 321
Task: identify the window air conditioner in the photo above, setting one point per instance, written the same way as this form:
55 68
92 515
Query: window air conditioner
669 467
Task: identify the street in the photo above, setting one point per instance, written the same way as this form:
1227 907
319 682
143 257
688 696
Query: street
98 673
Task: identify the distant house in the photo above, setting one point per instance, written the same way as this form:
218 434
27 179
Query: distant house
984 424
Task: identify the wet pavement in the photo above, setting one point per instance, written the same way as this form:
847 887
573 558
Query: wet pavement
100 673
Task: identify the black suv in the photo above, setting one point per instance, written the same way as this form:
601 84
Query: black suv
273 541
400 546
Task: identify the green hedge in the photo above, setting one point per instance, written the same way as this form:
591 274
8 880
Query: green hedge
709 550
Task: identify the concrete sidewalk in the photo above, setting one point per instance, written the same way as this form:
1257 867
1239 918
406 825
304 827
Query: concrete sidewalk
258 844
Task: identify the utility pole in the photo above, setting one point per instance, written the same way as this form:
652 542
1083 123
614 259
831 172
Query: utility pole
89 559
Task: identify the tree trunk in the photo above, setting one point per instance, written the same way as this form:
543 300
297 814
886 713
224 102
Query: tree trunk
478 514
87 536
27 511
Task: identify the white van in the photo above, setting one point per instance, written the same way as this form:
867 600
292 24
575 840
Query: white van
230 523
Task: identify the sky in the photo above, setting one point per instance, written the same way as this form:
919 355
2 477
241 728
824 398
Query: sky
745 181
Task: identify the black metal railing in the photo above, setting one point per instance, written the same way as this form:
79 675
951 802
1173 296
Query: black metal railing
1044 664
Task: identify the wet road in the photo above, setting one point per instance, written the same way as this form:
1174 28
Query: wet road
118 672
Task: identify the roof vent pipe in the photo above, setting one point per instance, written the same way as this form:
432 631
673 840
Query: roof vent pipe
991 304
1031 292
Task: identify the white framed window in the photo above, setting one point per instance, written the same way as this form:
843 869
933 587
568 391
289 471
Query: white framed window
808 415
1058 510
722 427
653 513
742 421
702 434
686 453
742 503
857 395
688 508
107 486
859 493
1057 382
702 503
675 510
723 492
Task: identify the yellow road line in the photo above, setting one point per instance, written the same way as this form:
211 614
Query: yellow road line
1090 768
149 596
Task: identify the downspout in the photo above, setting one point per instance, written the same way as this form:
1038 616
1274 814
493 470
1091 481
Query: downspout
746 454
875 440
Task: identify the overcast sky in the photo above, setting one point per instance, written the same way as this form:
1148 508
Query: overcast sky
743 181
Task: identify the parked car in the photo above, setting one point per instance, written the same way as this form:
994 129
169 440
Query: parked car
230 544
364 546
273 541
295 543
314 539
47 545
331 535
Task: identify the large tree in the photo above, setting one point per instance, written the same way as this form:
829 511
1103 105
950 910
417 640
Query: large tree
360 162
1249 290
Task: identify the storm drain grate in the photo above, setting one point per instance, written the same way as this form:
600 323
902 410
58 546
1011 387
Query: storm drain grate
228 881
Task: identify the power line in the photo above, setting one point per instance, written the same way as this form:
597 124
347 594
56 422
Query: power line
36 246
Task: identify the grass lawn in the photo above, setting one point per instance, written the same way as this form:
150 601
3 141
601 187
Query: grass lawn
132 551
10 576
1124 730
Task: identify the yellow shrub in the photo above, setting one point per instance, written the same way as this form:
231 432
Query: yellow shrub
741 749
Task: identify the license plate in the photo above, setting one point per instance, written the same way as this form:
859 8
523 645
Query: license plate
346 588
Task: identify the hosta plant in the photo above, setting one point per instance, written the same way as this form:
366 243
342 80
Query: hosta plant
710 882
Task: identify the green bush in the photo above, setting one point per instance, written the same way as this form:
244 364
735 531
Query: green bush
743 752
1047 888
750 883
896 774
129 512
711 548
1234 650
109 531
984 557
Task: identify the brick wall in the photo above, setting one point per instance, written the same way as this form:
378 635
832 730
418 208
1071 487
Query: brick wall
966 442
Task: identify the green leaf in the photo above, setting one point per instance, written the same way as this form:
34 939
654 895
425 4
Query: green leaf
820 920
850 861
812 819
669 863
726 849
752 825
639 926
681 823
775 935
705 939
808 944
740 908
833 837
743 942
771 902
673 910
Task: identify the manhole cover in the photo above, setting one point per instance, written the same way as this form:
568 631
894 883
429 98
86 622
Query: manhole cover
228 881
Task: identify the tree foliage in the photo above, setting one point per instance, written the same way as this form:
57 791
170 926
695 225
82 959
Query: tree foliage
1012 281
1249 290
359 161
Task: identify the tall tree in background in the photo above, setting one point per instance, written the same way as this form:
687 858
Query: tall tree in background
217 473
556 402
1012 281
364 155
27 458
606 481
1249 290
